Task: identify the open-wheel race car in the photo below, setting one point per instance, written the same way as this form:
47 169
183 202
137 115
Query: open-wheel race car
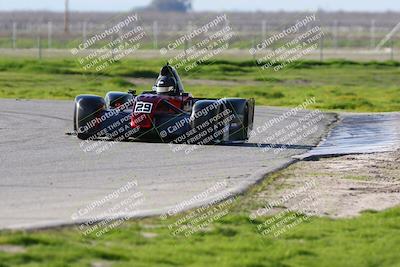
165 114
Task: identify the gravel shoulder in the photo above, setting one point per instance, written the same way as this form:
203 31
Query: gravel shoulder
337 187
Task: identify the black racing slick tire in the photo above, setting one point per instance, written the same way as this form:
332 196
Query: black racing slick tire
205 121
88 108
240 114
118 99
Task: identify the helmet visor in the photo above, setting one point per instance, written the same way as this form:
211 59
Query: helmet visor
164 89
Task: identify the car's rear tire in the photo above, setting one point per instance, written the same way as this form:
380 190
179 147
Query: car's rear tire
240 124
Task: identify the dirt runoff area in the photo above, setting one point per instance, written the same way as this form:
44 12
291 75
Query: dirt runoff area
337 187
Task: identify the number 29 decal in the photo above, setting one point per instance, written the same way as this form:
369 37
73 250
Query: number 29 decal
143 107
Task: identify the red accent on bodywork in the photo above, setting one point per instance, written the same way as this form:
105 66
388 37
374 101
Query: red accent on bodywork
144 120
141 120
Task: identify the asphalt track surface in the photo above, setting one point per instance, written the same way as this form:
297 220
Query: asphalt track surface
48 180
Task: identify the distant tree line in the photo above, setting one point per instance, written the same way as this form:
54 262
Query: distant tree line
170 5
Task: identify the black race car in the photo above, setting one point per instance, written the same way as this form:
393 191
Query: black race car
165 114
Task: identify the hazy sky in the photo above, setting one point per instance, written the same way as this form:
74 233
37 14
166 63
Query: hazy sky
215 5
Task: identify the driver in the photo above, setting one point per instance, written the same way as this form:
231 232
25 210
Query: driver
168 82
166 85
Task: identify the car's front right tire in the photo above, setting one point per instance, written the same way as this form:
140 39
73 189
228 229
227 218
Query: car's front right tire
88 109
